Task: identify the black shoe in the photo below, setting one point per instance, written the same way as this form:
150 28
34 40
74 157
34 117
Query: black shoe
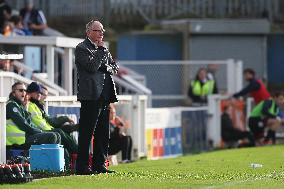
102 169
86 171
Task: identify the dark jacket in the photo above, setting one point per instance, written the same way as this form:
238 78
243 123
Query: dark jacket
36 17
94 64
16 111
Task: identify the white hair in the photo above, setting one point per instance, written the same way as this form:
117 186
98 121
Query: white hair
90 24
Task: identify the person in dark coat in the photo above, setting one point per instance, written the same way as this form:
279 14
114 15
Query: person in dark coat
33 19
96 90
119 141
231 134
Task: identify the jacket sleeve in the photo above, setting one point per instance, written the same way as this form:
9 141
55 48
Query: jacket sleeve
265 110
88 61
13 113
113 64
252 86
56 122
111 67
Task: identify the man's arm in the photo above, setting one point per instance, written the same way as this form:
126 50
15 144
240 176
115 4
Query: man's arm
110 67
88 61
252 86
13 113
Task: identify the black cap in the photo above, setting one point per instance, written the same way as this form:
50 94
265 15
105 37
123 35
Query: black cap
34 87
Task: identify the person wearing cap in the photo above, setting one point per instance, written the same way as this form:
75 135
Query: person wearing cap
33 19
37 115
5 13
20 130
63 122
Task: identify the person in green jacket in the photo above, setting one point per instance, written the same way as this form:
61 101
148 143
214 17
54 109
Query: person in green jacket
265 116
34 93
20 131
63 122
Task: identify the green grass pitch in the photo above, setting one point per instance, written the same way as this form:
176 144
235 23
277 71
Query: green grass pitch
219 169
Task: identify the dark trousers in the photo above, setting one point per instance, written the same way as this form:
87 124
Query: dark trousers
94 119
237 135
123 144
68 142
43 138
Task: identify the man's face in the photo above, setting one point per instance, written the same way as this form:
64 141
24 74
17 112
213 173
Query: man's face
248 76
44 94
202 74
35 95
20 92
29 6
280 100
96 32
5 65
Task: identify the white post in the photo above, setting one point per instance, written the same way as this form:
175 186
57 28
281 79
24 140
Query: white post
3 129
214 123
239 75
67 70
136 125
231 76
142 114
50 62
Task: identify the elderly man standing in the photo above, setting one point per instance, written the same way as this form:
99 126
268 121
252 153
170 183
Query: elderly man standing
96 90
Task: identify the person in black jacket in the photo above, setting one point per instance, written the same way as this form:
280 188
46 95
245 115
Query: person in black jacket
5 13
231 134
96 90
119 141
33 19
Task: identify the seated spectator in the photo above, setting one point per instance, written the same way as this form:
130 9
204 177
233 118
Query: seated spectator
7 30
37 115
201 88
33 19
18 26
231 134
265 117
6 65
5 13
20 131
63 122
119 141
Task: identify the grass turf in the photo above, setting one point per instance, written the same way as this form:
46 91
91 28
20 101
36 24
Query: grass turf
220 169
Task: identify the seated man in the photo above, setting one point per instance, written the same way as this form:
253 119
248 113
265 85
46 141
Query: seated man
20 131
264 116
119 141
63 122
231 134
34 93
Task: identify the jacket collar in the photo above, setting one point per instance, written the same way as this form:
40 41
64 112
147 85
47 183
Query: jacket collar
91 43
12 98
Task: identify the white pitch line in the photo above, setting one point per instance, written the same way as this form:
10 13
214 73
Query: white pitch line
234 183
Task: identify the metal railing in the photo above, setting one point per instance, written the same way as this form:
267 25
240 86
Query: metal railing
7 79
152 10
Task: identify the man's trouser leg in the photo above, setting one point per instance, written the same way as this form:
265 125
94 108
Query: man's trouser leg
89 113
101 138
67 141
44 138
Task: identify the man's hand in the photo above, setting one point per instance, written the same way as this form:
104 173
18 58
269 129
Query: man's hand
100 43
